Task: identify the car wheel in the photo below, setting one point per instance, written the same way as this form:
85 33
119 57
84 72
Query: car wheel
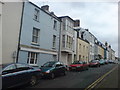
33 80
52 76
87 68
70 69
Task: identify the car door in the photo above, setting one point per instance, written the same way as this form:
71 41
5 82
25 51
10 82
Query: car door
63 68
57 69
23 73
84 65
81 64
9 78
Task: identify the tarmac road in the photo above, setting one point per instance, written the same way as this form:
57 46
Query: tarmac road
74 79
112 80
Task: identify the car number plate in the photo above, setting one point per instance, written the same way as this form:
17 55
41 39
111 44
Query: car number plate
73 68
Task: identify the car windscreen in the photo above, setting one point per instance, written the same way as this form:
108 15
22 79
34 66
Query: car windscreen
94 61
77 62
3 66
101 60
49 64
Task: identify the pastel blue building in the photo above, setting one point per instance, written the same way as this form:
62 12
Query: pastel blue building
39 39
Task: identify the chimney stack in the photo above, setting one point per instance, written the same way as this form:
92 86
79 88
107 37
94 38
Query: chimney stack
106 44
45 7
86 29
77 23
52 13
109 46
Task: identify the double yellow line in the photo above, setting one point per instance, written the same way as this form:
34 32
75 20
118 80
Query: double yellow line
99 80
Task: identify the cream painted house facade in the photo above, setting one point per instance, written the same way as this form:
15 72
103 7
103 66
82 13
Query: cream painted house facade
101 51
11 21
82 50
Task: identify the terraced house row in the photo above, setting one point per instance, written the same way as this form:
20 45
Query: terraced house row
35 35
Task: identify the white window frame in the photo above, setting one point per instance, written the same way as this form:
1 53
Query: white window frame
34 58
36 14
35 36
63 41
55 25
54 41
67 44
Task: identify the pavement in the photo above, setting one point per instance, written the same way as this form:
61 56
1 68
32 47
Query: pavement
112 80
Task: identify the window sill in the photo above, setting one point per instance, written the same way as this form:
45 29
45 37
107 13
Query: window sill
55 29
36 44
34 65
36 20
54 48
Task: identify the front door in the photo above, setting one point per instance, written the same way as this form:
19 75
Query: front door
69 59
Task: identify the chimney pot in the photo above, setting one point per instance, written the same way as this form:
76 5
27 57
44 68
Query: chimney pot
45 7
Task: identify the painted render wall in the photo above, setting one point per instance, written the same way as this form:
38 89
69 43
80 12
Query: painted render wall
113 55
45 24
110 54
101 51
90 38
11 18
64 57
42 58
96 51
68 54
0 32
82 51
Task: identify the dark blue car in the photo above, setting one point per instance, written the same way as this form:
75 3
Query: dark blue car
16 74
53 68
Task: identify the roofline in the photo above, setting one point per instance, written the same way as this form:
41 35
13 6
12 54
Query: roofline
113 50
1 2
67 17
83 40
44 11
92 35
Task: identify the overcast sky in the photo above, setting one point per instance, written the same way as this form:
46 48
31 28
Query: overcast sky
101 18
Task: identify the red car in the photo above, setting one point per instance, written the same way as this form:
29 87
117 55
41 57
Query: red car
78 65
93 63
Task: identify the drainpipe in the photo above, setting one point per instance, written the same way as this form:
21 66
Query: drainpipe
18 49
59 50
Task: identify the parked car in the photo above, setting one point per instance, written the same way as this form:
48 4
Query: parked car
95 63
106 61
111 61
16 74
102 62
78 65
52 69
